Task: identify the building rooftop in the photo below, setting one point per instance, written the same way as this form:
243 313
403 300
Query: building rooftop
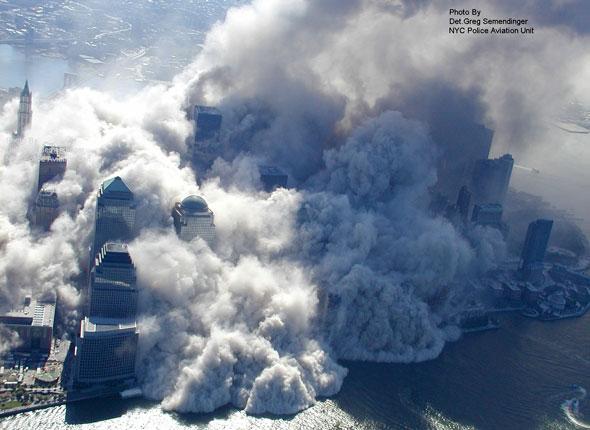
106 326
115 188
114 253
53 153
194 204
33 312
116 247
209 110
26 91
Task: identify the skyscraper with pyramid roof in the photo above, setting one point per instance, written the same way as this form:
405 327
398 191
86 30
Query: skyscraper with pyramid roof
25 111
115 214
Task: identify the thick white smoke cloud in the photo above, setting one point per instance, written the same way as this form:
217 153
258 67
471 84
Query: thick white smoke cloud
349 265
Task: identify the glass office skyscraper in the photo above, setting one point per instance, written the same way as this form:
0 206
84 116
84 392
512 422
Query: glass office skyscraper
113 290
106 348
115 213
535 243
106 351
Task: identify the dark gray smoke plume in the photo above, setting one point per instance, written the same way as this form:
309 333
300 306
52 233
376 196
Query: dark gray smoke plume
350 264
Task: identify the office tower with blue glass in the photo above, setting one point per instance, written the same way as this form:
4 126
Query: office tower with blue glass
105 352
106 347
207 121
46 209
534 248
52 165
115 214
272 178
491 178
193 218
25 111
113 290
488 214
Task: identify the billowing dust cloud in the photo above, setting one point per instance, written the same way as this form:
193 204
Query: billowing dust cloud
346 264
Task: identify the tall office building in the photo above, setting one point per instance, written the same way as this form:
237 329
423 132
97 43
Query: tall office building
105 352
113 290
461 143
491 178
115 214
52 165
535 243
207 126
25 111
463 202
46 209
106 348
488 214
192 218
272 177
207 123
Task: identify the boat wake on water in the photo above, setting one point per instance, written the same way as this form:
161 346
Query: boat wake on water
571 407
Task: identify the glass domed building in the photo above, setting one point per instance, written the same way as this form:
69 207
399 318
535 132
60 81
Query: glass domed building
192 218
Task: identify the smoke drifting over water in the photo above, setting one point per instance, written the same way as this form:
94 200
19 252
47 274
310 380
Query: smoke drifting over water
349 265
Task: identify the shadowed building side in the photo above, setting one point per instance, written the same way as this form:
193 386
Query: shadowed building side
52 165
105 351
207 121
272 178
46 209
534 249
491 178
463 203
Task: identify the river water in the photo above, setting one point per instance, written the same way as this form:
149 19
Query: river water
45 75
517 377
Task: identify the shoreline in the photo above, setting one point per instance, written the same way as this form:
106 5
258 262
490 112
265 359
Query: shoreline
30 408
